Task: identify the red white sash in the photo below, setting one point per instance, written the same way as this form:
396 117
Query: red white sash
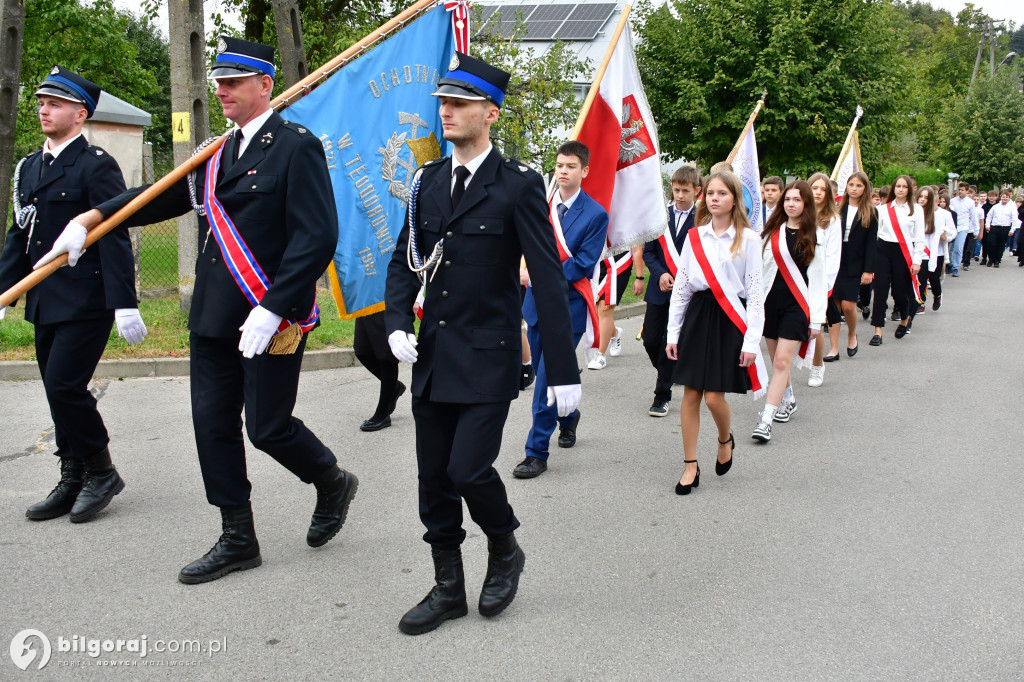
797 286
583 286
733 308
609 286
241 263
904 247
668 251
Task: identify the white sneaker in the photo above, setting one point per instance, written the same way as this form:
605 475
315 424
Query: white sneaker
615 343
598 361
817 376
762 432
785 411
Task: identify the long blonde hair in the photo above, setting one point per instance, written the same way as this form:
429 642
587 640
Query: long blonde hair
739 212
829 210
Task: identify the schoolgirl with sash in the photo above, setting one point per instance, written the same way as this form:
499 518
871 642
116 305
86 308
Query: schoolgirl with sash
858 228
828 221
898 258
717 313
938 230
793 253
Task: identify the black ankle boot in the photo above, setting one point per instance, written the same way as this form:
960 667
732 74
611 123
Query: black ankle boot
445 601
505 561
62 498
334 492
236 550
100 485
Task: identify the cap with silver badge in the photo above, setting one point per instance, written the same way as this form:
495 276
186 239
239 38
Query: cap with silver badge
470 78
68 85
237 58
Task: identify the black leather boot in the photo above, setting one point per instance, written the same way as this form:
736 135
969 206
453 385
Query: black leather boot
505 561
236 550
62 498
334 492
445 601
101 483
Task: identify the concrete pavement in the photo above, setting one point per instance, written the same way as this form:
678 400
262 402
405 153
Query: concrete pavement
878 536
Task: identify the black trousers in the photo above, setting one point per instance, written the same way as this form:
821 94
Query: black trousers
928 281
968 249
655 338
456 446
67 354
370 344
999 235
223 382
986 244
891 272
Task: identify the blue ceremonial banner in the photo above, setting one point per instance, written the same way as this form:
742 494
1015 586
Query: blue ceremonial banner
378 123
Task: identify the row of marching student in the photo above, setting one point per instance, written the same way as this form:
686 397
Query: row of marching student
814 264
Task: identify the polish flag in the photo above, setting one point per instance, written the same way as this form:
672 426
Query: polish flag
625 159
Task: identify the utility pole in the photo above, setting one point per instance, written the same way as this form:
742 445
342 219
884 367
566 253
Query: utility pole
190 119
12 28
289 41
977 61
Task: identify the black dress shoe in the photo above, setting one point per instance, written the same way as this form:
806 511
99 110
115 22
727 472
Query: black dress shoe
865 312
334 493
236 550
62 498
567 434
375 423
527 377
445 601
399 391
505 562
937 302
99 486
720 468
831 358
685 489
852 351
876 340
531 467
901 331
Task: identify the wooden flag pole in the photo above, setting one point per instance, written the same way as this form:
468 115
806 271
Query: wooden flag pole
297 91
848 144
746 128
595 87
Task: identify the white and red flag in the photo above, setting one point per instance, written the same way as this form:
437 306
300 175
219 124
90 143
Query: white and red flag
625 159
849 158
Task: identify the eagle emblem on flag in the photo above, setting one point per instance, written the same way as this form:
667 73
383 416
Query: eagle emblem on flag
636 144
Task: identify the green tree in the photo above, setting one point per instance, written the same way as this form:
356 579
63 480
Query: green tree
983 138
92 40
705 65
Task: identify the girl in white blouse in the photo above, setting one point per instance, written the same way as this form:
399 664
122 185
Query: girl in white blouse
717 291
828 220
891 266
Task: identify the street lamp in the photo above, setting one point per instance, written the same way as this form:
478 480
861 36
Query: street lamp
1008 58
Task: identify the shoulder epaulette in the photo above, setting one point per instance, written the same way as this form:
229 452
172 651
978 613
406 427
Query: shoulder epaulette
434 162
517 165
98 151
301 130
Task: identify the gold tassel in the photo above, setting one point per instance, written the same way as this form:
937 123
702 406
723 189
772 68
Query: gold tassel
286 342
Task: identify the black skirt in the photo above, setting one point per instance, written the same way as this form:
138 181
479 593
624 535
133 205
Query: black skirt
709 349
783 316
847 286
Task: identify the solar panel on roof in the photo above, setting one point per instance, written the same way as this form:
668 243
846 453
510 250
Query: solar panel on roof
542 30
486 12
579 30
593 12
551 12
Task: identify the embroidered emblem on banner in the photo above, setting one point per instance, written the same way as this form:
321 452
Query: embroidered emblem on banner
406 152
636 142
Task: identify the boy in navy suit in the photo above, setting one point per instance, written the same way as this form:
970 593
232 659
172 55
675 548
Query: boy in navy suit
686 185
585 227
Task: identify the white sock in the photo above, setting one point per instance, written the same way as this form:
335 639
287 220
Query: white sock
788 395
768 413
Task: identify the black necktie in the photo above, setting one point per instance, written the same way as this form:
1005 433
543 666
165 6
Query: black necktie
562 210
238 143
47 160
461 174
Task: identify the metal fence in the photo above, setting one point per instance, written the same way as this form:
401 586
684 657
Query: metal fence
156 246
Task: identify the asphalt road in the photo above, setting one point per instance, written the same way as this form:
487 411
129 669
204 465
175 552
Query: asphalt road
878 536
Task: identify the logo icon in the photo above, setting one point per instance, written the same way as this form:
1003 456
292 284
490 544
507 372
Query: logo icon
636 144
23 653
396 159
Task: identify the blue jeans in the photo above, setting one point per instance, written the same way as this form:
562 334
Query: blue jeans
956 251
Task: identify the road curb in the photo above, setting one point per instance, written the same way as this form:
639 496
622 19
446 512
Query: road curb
330 358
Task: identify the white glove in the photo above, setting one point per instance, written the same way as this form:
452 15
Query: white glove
71 241
130 325
257 330
3 312
567 397
403 346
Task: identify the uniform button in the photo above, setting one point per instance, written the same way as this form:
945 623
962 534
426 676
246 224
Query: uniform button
449 234
502 343
63 194
425 223
254 186
39 243
95 272
442 323
444 294
35 200
447 263
483 227
213 261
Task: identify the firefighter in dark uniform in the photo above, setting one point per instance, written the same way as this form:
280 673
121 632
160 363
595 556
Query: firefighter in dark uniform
72 310
271 199
475 215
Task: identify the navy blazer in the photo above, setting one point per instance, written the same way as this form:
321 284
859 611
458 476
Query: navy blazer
104 280
469 337
279 195
585 227
859 250
654 257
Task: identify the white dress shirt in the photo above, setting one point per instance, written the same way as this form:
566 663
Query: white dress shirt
741 275
473 165
964 209
934 243
681 216
913 224
1003 215
250 129
55 151
568 202
833 251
